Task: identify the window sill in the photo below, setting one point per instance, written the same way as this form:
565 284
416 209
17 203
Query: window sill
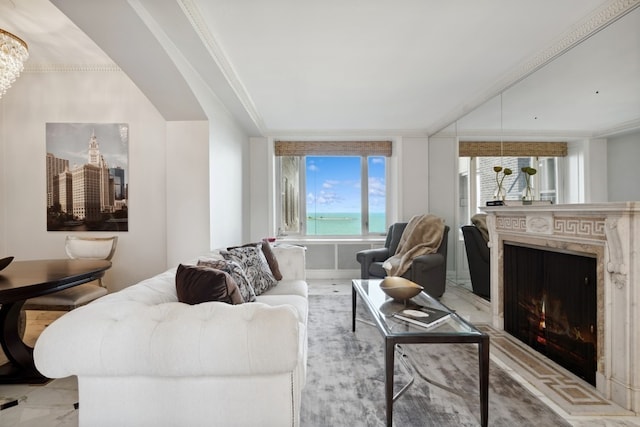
330 239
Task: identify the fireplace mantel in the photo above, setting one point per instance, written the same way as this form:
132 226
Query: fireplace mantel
610 232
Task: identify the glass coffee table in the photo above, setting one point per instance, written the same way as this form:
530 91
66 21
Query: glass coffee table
453 329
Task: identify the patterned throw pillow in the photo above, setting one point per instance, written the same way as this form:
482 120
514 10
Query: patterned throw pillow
236 272
198 284
255 265
268 254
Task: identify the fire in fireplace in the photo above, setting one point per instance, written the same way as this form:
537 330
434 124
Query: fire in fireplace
550 304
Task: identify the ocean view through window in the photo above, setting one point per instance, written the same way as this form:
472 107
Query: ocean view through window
333 195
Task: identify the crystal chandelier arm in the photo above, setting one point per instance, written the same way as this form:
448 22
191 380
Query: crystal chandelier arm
13 53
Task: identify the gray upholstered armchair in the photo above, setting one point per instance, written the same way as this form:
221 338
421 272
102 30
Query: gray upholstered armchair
478 255
429 271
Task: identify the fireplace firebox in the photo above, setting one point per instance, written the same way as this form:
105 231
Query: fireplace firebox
550 304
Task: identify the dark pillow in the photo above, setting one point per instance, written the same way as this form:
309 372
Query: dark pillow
271 259
254 264
197 284
236 272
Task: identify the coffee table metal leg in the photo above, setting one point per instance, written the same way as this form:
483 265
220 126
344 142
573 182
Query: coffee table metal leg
353 309
389 360
483 353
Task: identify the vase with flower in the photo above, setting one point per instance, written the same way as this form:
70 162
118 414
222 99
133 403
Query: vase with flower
527 192
499 193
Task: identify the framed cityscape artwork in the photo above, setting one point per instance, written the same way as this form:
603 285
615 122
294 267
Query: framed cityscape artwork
87 176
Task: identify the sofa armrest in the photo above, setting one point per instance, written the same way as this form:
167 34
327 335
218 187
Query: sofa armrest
121 338
291 261
373 255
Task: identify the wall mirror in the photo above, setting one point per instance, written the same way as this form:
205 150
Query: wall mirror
589 92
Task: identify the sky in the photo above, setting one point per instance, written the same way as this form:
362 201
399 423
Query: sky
333 184
71 141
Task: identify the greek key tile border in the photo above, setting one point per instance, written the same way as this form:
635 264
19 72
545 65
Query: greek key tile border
511 223
589 228
592 228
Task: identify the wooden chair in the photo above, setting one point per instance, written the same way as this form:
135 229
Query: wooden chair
78 247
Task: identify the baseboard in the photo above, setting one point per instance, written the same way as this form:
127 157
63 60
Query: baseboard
350 274
332 274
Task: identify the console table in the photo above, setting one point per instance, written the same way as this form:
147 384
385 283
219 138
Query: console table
22 280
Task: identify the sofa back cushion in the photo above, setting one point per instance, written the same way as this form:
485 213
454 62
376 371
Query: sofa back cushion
197 284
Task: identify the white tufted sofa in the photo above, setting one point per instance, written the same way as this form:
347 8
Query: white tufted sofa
144 359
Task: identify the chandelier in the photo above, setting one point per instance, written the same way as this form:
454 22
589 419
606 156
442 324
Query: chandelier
13 53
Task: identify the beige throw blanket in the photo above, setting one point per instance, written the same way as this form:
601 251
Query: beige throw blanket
422 235
480 221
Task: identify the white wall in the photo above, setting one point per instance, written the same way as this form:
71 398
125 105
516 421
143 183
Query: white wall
574 167
261 171
586 171
82 97
187 190
229 182
596 167
413 177
443 189
623 157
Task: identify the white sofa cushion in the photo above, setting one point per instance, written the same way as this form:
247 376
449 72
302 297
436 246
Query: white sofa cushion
171 339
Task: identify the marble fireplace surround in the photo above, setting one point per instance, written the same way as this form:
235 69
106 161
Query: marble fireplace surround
610 232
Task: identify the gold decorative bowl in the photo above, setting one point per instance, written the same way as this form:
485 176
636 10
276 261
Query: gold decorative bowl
399 288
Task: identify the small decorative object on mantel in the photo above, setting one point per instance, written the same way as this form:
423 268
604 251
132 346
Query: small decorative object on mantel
527 192
5 262
500 194
399 288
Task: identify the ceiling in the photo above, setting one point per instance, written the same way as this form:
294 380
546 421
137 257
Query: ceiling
359 67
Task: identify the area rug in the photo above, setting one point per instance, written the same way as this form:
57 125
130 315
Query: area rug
345 379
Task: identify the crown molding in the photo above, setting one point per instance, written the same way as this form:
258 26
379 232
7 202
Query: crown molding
623 128
598 20
344 133
535 134
194 16
62 68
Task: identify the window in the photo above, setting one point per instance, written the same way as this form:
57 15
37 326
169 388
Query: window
331 195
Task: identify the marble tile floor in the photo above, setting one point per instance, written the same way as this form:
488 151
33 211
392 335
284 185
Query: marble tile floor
52 405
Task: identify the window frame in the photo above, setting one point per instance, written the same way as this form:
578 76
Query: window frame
364 197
